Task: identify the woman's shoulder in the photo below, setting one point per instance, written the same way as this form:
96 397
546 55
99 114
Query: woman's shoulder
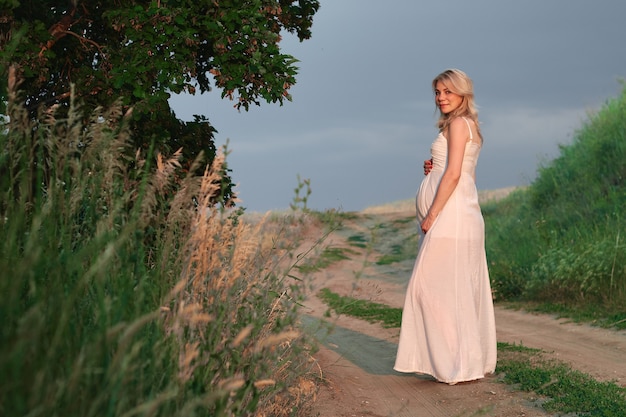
459 124
461 121
462 128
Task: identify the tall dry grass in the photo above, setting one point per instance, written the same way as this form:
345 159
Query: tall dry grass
127 291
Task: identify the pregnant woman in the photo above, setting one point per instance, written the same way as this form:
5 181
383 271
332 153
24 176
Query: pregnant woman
448 326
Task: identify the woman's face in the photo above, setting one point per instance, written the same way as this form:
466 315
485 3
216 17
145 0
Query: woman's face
446 100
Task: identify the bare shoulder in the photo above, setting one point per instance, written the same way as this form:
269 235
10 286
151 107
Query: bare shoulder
463 122
458 129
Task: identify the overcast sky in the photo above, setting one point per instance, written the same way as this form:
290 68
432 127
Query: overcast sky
363 117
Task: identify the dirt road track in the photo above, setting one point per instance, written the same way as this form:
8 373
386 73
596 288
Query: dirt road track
356 358
598 352
356 361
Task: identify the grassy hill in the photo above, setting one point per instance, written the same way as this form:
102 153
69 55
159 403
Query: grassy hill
562 240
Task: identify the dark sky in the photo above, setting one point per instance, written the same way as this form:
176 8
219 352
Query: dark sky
363 117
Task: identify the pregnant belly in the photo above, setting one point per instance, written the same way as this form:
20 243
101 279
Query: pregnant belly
426 194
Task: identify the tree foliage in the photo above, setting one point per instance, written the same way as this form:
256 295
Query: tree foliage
145 50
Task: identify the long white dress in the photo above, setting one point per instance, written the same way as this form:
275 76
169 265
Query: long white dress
448 325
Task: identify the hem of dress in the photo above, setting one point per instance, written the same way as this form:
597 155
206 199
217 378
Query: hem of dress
449 382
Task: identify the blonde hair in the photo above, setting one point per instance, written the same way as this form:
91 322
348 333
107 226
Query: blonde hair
459 83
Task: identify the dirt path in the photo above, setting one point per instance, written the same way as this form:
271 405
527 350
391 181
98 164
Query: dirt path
356 358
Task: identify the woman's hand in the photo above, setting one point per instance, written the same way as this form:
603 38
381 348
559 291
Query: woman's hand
427 223
428 166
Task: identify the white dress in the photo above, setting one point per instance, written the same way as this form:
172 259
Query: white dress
448 325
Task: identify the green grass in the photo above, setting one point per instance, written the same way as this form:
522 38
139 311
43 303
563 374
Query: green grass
565 390
333 219
562 240
397 241
399 252
600 315
366 310
359 241
328 256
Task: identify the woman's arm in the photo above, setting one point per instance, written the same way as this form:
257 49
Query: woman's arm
457 137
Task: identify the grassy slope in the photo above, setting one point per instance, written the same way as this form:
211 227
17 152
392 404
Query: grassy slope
561 241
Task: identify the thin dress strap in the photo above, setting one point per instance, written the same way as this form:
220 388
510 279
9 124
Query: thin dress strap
469 127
